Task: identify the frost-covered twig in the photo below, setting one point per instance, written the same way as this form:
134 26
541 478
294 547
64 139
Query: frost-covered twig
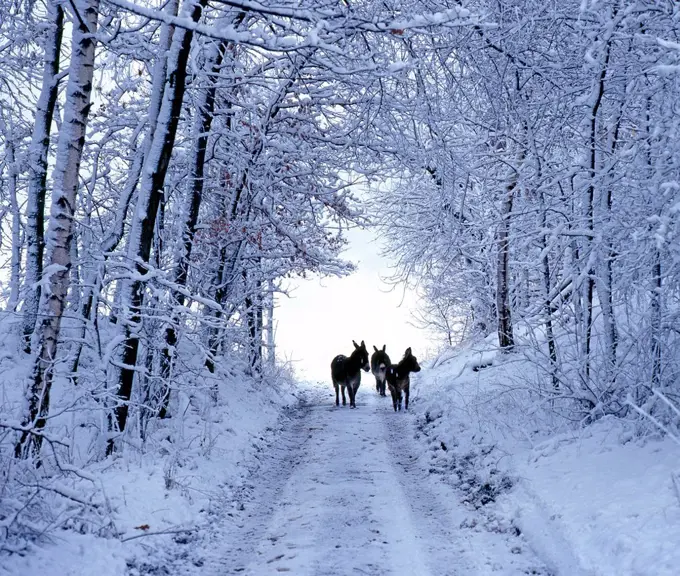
676 485
67 493
666 401
36 432
159 533
655 421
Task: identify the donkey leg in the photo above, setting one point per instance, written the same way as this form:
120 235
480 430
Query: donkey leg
343 395
393 392
406 393
400 398
377 385
337 394
354 395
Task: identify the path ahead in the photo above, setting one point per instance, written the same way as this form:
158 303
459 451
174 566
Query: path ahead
341 493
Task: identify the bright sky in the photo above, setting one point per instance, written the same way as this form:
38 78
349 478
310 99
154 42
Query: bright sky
322 317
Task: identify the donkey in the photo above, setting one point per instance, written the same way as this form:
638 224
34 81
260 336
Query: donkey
346 373
398 380
379 363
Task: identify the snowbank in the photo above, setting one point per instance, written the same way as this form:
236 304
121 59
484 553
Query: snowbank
162 492
594 500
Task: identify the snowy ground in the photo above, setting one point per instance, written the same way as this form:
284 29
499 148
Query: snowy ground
597 501
164 495
342 491
468 482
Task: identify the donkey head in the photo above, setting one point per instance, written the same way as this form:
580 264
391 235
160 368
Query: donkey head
410 362
379 358
361 353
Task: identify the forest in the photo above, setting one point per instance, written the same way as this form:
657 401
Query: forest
166 168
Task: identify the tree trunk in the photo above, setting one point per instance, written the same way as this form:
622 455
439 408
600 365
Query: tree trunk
12 174
605 284
203 123
505 332
213 332
549 334
655 303
506 338
655 306
74 281
271 344
590 198
37 165
144 220
93 283
60 230
253 304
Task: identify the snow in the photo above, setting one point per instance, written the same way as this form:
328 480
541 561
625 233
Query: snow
613 502
669 44
565 120
164 493
471 480
595 501
71 555
342 491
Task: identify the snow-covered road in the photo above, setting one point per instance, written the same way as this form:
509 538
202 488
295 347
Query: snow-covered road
351 505
343 492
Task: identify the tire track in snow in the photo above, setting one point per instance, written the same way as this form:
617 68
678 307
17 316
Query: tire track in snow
343 510
436 514
343 492
463 540
239 516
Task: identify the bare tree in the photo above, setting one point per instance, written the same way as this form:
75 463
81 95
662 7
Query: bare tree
37 181
148 200
60 230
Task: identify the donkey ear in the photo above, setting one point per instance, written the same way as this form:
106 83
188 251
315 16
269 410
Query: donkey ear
384 346
408 351
374 348
363 345
355 344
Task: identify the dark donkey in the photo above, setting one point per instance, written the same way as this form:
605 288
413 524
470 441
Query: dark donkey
379 364
398 380
346 373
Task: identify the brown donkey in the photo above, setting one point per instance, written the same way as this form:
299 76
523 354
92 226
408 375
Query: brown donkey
346 373
398 380
379 363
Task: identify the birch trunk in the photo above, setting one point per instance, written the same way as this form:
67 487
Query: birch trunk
655 306
37 165
93 283
60 229
15 278
253 309
549 309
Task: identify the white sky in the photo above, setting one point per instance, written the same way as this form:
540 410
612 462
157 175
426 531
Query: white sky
322 317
